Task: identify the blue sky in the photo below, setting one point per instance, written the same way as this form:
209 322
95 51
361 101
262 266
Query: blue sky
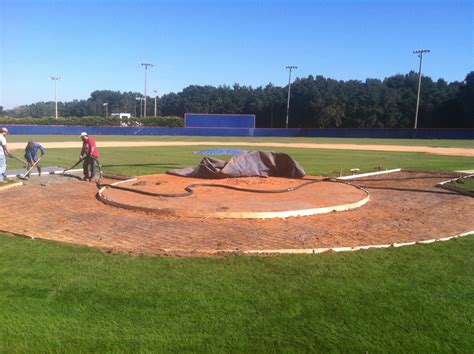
99 44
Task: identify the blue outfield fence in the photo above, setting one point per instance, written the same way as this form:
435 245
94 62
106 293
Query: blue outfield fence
256 132
232 121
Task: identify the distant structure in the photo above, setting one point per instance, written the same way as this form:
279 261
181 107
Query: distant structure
121 115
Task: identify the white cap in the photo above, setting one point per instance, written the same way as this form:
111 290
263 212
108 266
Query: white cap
83 134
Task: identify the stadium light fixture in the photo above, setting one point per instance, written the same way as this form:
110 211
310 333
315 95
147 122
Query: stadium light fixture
420 53
289 67
55 79
146 65
106 104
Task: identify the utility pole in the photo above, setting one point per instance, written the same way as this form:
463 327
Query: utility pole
155 102
106 106
140 99
146 65
289 67
55 79
420 55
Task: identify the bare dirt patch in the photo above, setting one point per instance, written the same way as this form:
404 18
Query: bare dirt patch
404 206
219 198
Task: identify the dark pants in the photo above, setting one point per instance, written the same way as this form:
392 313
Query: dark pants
89 162
31 162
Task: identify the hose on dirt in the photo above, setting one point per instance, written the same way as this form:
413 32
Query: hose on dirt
70 168
190 189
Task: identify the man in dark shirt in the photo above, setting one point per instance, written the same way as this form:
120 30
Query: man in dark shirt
31 156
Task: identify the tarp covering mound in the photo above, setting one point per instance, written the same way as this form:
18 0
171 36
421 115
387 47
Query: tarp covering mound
251 164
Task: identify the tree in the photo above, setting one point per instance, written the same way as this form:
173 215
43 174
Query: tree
316 102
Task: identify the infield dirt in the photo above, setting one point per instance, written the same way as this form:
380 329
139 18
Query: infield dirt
403 207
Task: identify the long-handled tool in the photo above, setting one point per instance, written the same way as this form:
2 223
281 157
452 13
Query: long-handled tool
23 162
70 168
25 176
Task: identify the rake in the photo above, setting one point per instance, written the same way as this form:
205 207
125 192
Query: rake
24 176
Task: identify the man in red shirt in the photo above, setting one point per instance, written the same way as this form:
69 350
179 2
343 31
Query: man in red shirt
89 154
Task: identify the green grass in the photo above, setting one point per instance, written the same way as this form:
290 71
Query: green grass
465 183
55 297
149 160
405 142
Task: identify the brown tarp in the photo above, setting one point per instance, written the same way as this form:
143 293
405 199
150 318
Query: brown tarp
251 164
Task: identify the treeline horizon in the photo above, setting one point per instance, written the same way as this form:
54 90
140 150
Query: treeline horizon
316 102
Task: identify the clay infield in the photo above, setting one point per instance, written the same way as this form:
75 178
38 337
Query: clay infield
403 207
256 198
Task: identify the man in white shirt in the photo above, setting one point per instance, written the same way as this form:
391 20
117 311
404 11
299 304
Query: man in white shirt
4 153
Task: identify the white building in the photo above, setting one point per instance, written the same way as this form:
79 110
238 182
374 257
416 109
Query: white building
121 115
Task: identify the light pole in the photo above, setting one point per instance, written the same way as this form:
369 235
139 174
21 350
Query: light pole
106 106
140 101
55 79
420 53
155 102
146 65
289 67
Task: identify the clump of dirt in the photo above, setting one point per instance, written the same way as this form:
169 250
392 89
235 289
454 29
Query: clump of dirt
139 183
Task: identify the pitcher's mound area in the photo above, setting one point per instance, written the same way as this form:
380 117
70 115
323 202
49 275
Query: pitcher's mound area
257 198
404 207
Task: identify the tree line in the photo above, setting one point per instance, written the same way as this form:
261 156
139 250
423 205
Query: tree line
316 102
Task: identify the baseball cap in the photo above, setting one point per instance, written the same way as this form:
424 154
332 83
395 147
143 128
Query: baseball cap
4 130
83 134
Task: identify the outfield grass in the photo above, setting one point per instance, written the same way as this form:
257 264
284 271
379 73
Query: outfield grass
403 142
150 160
60 298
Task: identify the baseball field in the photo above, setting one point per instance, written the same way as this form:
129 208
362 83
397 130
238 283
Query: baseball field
90 277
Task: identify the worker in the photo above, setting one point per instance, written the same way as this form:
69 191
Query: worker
89 154
31 156
4 153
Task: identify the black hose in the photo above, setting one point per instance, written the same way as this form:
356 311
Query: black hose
190 189
70 168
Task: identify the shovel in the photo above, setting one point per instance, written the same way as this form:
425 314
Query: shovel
25 176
